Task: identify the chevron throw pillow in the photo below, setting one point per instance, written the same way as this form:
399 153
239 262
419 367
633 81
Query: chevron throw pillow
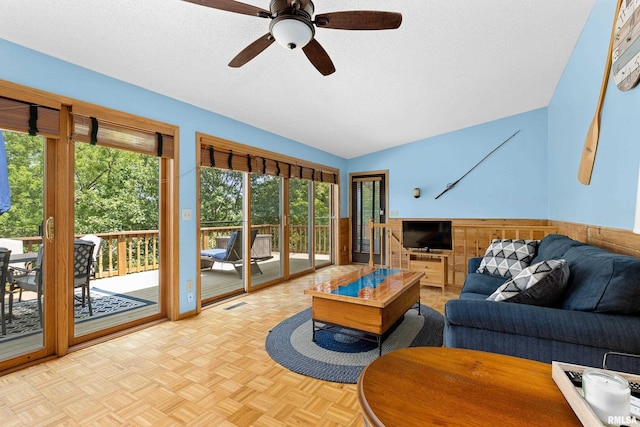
542 284
508 257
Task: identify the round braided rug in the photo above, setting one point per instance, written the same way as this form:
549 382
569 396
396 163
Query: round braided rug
341 358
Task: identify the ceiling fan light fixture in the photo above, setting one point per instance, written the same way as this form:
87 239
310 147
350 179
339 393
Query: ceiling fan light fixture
291 31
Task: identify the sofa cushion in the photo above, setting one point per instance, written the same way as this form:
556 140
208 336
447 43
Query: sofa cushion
596 330
554 246
508 257
542 284
602 281
478 283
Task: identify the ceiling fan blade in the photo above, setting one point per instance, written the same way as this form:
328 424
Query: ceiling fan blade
251 51
232 6
319 57
359 20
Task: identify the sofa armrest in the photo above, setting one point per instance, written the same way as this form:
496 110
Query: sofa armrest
473 264
602 330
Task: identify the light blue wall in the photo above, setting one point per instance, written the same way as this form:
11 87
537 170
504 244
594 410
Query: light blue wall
610 198
511 183
534 175
30 68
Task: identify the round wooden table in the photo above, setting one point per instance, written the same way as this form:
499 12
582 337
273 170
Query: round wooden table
453 387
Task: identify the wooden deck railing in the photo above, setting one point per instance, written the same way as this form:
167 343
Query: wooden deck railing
121 253
137 251
298 237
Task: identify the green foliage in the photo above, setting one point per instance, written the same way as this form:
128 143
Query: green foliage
322 203
25 155
115 190
265 199
118 190
299 201
220 198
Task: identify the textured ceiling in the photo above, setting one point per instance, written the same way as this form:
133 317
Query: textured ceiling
451 64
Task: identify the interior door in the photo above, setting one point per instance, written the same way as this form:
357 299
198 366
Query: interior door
368 202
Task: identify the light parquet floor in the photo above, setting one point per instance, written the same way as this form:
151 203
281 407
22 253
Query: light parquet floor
210 370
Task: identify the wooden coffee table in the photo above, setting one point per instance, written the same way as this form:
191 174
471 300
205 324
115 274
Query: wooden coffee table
368 300
427 386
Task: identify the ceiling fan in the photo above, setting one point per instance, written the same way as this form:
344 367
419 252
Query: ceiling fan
293 26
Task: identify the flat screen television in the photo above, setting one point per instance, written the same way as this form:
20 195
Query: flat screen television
427 235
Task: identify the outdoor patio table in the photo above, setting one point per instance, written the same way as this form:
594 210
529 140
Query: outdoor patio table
26 257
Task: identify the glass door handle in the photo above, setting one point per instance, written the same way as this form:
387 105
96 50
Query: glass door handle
49 231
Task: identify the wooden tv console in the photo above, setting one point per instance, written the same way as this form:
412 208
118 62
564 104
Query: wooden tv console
434 265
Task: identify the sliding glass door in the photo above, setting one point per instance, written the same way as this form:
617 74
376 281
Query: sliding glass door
283 206
222 195
299 225
221 233
266 214
323 223
117 208
24 306
80 177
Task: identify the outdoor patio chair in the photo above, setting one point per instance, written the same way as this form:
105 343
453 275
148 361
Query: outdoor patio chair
82 260
16 247
97 248
4 274
28 280
233 253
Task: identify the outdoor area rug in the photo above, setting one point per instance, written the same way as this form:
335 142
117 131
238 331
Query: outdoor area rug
341 358
25 313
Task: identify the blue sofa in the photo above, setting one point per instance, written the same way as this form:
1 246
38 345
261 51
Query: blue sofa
598 312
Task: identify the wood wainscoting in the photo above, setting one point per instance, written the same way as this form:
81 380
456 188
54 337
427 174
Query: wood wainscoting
344 242
471 237
612 239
